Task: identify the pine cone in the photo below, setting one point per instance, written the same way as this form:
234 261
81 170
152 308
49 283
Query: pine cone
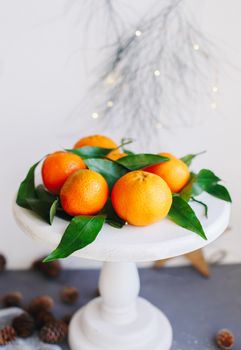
3 262
12 299
69 295
40 303
51 269
7 335
24 325
43 317
54 332
225 339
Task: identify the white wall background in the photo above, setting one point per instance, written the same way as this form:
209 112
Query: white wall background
45 65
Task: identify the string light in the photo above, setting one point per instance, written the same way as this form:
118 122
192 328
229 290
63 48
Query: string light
111 79
95 115
109 104
138 33
195 47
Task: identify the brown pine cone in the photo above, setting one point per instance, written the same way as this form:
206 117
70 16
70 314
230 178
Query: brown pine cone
69 295
40 303
12 299
7 335
24 325
225 339
3 262
54 332
51 269
43 317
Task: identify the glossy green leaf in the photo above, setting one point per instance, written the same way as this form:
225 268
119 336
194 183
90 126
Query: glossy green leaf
206 181
45 209
62 214
140 161
81 231
45 204
189 157
110 170
206 178
183 215
111 217
26 189
91 152
86 152
36 199
127 151
187 192
44 195
220 192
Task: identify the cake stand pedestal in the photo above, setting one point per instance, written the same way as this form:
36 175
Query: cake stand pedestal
119 319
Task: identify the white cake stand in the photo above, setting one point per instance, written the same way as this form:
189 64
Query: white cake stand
119 319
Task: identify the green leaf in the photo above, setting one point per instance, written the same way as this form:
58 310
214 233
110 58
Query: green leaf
139 161
46 210
187 191
111 217
110 170
203 204
206 181
91 152
183 215
45 205
36 199
189 157
62 214
96 152
206 178
127 151
81 231
220 192
44 195
26 189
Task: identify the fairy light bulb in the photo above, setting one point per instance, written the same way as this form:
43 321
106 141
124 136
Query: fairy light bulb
157 72
109 104
111 79
138 33
214 89
95 115
196 47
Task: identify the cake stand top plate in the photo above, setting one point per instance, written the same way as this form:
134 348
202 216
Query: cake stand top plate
158 241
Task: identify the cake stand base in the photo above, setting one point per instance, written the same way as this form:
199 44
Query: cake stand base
151 330
118 319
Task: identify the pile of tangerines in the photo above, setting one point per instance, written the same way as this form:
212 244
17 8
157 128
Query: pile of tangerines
140 197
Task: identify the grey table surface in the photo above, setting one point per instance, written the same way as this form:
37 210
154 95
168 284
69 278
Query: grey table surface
196 307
